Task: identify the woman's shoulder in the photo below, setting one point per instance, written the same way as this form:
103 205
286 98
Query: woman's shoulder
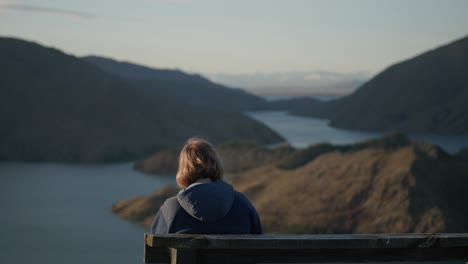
171 203
170 207
242 200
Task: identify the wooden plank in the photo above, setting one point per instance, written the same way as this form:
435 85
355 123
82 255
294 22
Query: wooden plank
228 256
183 256
305 248
310 241
155 255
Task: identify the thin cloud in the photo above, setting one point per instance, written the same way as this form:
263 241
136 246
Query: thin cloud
46 10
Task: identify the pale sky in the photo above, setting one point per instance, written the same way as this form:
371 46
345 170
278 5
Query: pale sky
238 37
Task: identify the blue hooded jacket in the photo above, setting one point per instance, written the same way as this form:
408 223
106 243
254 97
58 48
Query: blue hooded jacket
207 208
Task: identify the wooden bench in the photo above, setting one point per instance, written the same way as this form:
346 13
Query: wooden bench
226 249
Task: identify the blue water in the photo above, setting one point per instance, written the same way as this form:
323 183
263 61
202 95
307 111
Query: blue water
301 132
57 213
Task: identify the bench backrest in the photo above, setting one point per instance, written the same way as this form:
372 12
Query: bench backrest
227 249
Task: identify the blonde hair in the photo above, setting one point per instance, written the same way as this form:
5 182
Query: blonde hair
198 160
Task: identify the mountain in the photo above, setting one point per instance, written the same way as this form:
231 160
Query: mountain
385 185
427 93
295 104
194 89
179 86
56 107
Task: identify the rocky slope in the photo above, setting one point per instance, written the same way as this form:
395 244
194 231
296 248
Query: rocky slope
56 107
390 184
427 93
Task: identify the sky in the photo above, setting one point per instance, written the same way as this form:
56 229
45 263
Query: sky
327 45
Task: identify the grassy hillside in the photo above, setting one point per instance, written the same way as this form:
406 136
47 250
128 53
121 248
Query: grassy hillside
390 184
236 157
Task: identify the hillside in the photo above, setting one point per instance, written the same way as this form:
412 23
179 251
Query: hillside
56 107
179 86
390 184
427 93
236 157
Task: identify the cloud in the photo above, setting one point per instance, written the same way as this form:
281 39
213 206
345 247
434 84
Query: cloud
46 10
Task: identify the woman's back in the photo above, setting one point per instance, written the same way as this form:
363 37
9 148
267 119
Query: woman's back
208 208
206 204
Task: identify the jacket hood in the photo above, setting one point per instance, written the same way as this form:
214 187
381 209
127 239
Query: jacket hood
207 202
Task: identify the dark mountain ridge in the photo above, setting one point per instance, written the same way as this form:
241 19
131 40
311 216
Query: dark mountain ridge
56 107
427 93
176 85
130 70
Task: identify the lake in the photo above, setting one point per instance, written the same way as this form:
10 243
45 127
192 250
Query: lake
56 213
301 132
61 213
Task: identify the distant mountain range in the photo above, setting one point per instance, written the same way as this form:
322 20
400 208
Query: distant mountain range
428 93
56 107
297 83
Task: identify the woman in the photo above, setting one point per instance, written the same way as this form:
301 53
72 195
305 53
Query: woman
206 204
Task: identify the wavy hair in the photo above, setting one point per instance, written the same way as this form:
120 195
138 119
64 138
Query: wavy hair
198 159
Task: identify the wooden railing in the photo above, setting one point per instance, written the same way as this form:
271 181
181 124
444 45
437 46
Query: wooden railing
226 249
